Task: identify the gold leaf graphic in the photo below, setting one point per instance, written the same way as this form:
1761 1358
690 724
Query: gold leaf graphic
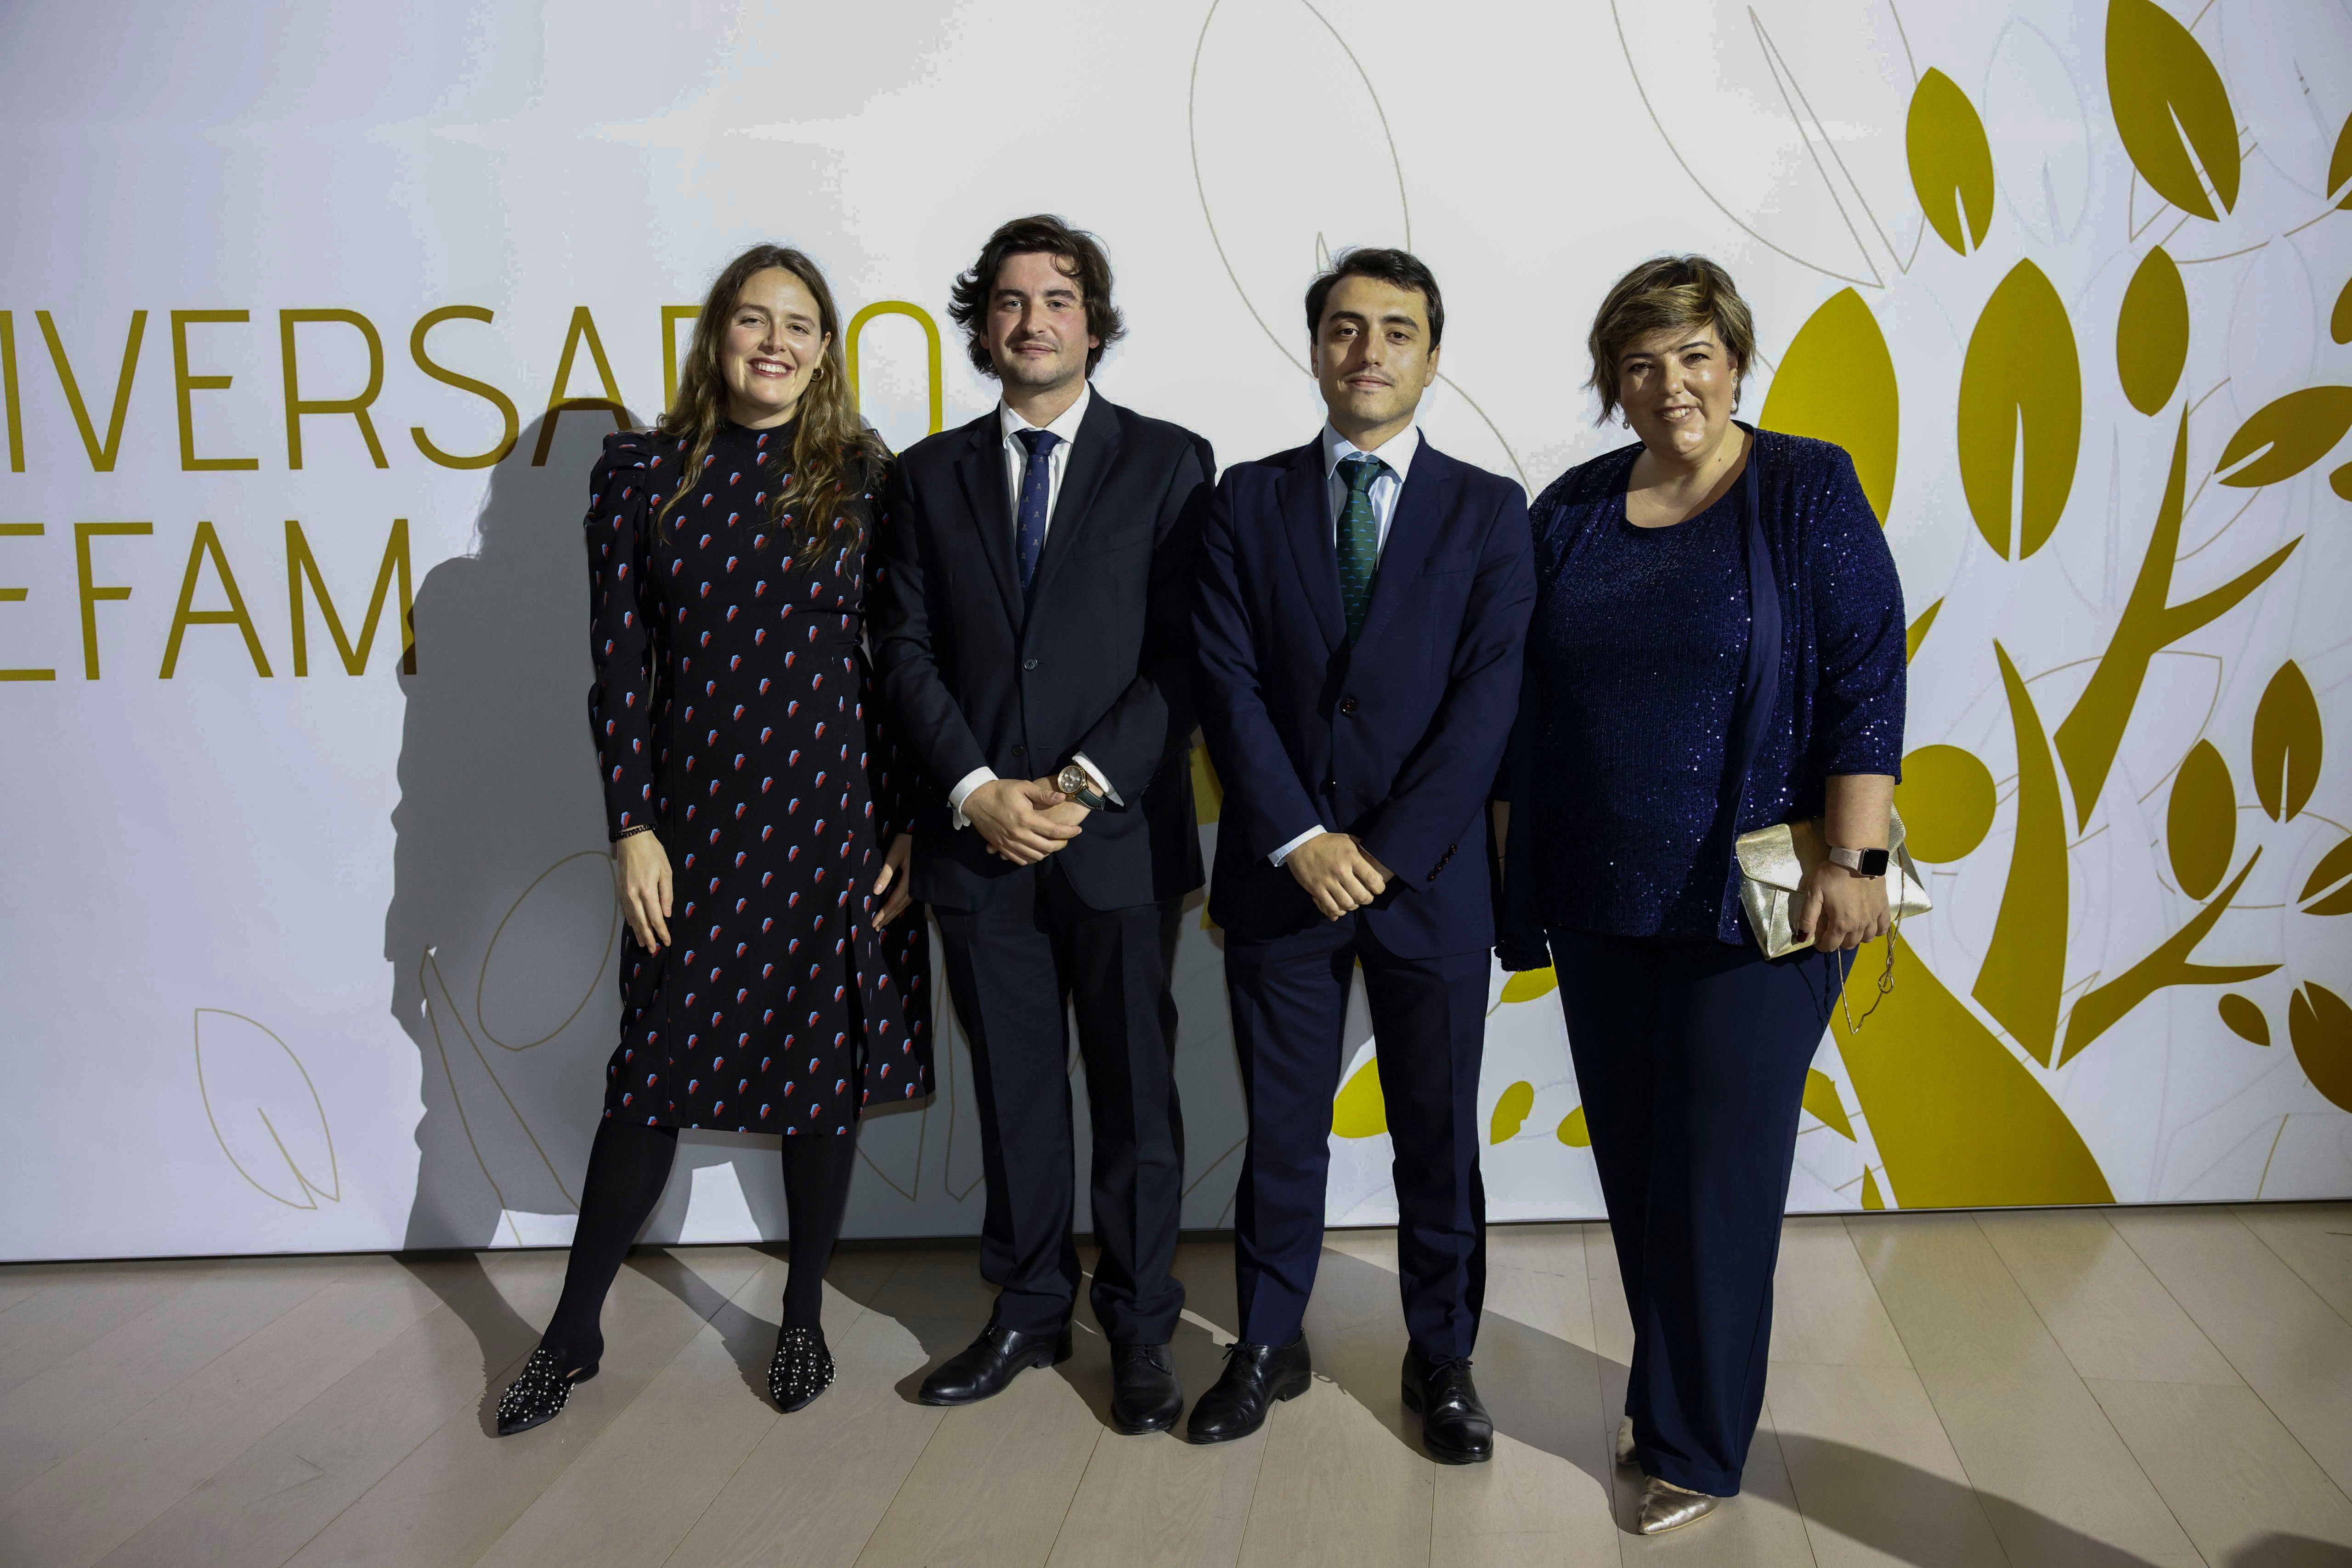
2339 169
1959 1121
1918 633
2334 871
1837 383
2162 86
2200 827
264 1109
1529 984
1360 1110
2339 321
2020 408
2244 1018
1951 163
2287 744
1208 792
2152 333
1821 1098
2320 1024
2025 966
1946 801
2341 482
2291 435
2103 1008
531 988
1573 1132
1511 1112
1871 1198
2150 622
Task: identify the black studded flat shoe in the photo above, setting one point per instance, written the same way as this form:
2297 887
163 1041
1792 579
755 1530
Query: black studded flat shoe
802 1370
539 1391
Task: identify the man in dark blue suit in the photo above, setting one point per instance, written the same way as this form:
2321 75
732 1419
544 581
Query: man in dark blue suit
1361 605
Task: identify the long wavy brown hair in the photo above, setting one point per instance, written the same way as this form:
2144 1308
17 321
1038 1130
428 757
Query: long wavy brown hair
835 454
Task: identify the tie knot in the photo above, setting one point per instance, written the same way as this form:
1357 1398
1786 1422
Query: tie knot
1362 471
1040 442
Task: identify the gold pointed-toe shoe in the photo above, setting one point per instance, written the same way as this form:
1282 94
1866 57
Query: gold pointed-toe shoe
1667 1507
1625 1440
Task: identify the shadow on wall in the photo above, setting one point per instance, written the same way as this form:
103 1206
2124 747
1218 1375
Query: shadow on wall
503 932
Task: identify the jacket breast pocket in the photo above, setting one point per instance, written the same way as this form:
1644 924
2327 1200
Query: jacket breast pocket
1123 538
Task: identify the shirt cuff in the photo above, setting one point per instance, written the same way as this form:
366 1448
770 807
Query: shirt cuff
1283 854
1094 775
962 792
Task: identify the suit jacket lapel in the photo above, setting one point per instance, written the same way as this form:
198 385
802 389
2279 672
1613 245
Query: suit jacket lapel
1412 528
1306 518
981 471
1091 457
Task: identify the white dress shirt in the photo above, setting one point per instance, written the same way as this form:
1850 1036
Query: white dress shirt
1397 452
1017 470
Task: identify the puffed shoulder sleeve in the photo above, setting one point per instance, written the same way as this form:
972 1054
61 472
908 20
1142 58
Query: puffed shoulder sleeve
630 480
1858 702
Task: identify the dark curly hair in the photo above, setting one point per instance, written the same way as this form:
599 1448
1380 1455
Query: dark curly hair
1384 264
1079 256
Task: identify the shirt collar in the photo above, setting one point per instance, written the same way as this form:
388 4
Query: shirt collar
1066 427
1397 451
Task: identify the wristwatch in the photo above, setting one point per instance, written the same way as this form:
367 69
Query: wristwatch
1074 782
1867 864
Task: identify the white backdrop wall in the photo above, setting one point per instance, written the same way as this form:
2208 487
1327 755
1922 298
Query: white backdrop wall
308 952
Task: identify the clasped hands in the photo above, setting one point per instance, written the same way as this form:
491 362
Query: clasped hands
1839 911
1022 819
1338 873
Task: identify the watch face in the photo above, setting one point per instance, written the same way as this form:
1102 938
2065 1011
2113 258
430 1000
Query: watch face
1873 862
1071 779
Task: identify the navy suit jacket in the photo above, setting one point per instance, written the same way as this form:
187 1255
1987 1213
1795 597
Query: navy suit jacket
1396 739
1096 659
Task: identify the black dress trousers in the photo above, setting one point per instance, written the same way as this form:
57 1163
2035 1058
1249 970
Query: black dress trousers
1691 1058
1289 997
1031 951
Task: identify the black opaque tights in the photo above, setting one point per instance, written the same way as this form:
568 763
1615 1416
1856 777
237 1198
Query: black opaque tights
628 1165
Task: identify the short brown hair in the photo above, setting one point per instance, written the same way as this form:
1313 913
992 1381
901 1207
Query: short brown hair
1399 268
1079 256
1669 292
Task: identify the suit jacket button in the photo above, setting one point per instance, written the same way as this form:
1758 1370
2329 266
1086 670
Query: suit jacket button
1018 752
1028 663
1347 705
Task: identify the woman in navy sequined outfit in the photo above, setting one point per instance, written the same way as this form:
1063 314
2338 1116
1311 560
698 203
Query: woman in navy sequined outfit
755 802
1717 647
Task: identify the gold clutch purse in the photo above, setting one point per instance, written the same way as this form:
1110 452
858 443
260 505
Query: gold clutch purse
1772 865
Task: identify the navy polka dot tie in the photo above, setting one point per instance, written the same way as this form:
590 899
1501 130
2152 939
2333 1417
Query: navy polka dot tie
1036 492
1359 538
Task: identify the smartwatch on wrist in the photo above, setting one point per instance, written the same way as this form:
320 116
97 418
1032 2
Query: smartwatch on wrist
1867 864
1073 782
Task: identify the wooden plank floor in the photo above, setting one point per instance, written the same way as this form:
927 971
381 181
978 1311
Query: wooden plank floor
2071 1388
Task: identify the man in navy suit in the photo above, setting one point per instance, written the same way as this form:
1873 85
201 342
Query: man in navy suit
1029 622
1361 605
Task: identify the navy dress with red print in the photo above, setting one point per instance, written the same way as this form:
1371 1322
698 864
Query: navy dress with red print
733 713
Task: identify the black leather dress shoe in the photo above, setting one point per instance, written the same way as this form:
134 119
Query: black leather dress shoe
1144 1394
1255 1375
1455 1427
983 1368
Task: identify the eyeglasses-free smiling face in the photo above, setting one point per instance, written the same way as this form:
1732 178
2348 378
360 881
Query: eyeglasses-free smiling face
1373 358
1677 387
773 347
1037 333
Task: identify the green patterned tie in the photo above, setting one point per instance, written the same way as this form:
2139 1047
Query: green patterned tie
1359 538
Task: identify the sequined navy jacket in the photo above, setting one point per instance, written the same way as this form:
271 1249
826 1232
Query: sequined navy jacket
1837 694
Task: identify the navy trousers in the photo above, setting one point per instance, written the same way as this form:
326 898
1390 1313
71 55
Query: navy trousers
1691 1059
1017 966
1289 1002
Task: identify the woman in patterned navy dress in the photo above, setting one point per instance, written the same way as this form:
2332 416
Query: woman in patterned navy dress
772 980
